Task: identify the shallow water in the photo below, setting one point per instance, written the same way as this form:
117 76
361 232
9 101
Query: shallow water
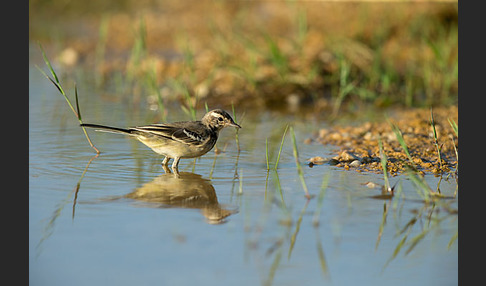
226 221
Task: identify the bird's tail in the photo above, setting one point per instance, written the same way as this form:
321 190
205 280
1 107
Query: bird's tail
105 128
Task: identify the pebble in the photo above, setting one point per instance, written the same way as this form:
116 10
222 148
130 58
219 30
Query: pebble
318 160
345 156
355 163
333 162
370 185
366 160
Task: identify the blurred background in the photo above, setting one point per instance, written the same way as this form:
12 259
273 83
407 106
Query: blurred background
330 56
329 94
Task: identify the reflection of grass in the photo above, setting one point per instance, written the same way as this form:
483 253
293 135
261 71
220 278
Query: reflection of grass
453 239
322 257
382 225
412 242
49 228
273 268
320 199
427 218
297 163
293 238
412 231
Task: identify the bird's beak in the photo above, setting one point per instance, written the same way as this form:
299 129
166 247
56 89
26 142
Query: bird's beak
235 125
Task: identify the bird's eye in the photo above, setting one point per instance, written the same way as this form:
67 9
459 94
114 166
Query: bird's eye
220 119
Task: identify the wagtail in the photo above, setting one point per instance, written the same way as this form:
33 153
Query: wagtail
184 139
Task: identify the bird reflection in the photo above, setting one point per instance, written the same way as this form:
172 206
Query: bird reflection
186 190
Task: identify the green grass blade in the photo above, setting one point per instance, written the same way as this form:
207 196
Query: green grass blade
58 85
420 184
401 140
454 126
436 140
281 146
384 160
55 81
297 163
77 103
48 64
237 139
432 122
266 153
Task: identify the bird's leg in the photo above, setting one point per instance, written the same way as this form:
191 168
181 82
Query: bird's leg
166 169
175 166
165 162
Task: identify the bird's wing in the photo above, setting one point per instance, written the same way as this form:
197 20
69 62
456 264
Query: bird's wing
184 132
188 136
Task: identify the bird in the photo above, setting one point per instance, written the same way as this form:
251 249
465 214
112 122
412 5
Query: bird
176 140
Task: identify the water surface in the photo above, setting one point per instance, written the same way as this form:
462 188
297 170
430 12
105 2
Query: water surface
117 219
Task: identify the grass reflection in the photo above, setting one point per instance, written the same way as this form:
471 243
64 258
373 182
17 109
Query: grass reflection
413 226
49 227
322 257
293 238
425 219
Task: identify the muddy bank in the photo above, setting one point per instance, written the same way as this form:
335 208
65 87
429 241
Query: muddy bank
357 146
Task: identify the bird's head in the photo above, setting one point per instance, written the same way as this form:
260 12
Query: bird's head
217 119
